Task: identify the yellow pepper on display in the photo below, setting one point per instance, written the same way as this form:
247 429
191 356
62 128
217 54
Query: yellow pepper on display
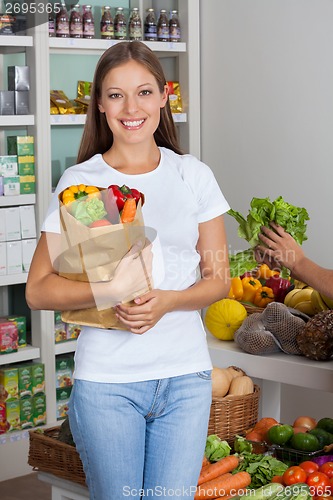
263 296
236 289
250 286
264 272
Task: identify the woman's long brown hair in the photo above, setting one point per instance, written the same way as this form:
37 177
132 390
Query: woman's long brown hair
97 136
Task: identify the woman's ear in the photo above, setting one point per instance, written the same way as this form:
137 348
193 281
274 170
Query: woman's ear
165 96
101 109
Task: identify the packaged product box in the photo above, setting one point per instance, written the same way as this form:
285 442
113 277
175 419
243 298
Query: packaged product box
3 419
24 380
21 323
12 223
26 413
3 258
13 415
60 333
62 398
1 185
27 221
20 145
27 184
26 165
64 371
7 102
8 337
18 78
73 331
8 383
28 249
2 224
8 165
11 185
21 102
39 409
14 257
38 378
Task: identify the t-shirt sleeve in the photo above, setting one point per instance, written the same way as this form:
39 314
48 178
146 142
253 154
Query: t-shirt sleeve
210 199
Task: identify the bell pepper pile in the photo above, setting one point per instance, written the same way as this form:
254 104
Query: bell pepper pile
95 207
259 287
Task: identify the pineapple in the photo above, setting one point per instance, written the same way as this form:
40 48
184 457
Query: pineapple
315 341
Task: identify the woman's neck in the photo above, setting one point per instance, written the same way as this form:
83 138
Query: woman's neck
134 159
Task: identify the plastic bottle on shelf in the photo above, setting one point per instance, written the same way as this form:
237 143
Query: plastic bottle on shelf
106 26
62 22
135 25
174 27
120 26
163 27
150 26
75 22
88 22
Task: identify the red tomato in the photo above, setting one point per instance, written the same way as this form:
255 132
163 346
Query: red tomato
293 475
327 468
331 482
277 479
319 483
309 466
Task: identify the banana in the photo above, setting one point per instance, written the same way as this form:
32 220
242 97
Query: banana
317 302
305 307
300 284
289 296
299 295
328 302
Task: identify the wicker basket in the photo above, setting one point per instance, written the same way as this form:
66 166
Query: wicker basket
252 308
48 454
233 415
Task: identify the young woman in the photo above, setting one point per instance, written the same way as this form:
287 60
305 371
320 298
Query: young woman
140 403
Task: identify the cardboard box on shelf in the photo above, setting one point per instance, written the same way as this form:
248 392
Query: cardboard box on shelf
7 102
8 165
27 221
8 383
18 78
39 409
14 257
38 378
26 413
20 145
12 223
28 249
27 184
13 415
3 258
26 165
2 224
11 185
21 323
21 102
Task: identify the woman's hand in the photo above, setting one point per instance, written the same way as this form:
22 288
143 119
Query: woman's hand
280 248
147 311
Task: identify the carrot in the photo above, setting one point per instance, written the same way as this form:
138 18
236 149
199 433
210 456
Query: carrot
225 464
128 211
205 462
226 484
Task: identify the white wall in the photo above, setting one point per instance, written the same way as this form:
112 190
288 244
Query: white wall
267 107
267 121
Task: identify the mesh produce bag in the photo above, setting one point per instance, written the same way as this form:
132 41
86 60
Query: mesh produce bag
273 330
253 337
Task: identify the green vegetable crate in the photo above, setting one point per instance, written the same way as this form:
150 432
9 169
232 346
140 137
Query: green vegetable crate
232 415
289 455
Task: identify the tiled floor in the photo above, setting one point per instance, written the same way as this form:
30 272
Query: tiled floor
25 488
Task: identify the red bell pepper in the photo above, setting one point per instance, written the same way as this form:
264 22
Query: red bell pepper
280 287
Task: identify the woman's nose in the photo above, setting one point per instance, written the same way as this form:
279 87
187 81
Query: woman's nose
131 104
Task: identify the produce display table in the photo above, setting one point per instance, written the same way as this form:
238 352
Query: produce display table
63 489
273 370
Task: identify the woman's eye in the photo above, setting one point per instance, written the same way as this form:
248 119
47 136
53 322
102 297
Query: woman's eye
114 96
145 92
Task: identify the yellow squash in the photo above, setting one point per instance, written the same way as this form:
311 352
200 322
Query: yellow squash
224 317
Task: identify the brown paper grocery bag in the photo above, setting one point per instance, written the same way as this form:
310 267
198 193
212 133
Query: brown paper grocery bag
92 255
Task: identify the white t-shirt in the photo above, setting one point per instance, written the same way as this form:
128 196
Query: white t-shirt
179 194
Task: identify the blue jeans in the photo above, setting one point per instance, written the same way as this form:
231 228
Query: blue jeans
142 439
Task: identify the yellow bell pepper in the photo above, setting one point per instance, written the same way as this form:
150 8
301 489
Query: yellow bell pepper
263 296
74 192
236 289
250 286
264 272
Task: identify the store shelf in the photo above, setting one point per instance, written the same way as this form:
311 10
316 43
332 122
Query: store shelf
22 199
68 45
72 119
23 354
278 368
13 279
65 347
12 44
16 120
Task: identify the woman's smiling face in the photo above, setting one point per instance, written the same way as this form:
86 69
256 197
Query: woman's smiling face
131 101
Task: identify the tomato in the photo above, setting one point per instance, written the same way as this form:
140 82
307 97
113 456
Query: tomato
294 474
327 469
308 422
254 436
280 434
309 466
319 483
331 483
277 479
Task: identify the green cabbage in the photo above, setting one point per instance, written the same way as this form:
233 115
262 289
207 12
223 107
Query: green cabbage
216 448
88 210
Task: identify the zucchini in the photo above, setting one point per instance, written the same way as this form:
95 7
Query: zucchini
267 492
